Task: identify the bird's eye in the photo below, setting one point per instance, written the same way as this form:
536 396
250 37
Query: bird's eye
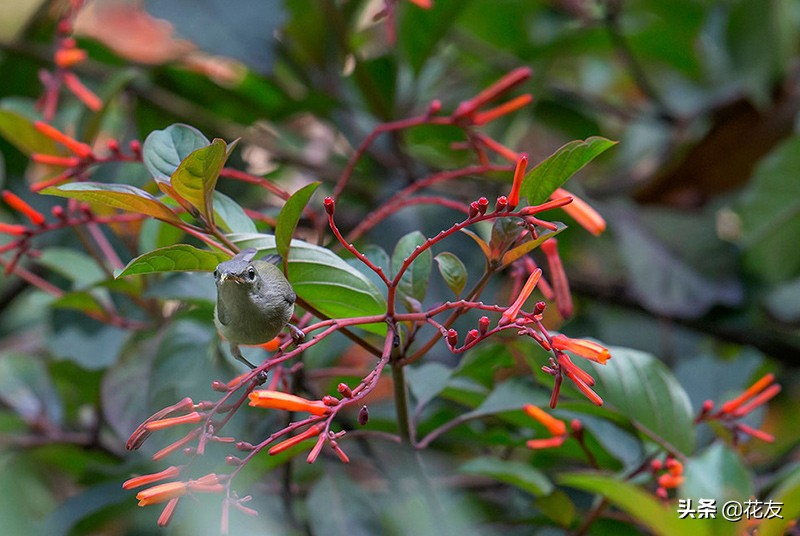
216 274
251 273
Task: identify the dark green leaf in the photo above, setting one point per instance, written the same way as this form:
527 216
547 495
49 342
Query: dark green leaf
88 343
518 474
177 258
26 388
20 132
290 215
453 271
163 150
414 282
324 280
339 507
659 518
79 268
784 302
197 174
787 494
770 212
554 171
230 216
423 29
121 196
511 395
642 389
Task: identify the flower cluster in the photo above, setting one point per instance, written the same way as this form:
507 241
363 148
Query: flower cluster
668 475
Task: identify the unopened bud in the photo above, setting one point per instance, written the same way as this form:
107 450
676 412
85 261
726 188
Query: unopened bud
471 336
363 415
58 212
136 147
233 460
452 337
219 386
435 107
474 210
329 205
539 308
189 451
344 390
502 203
329 400
576 426
113 146
244 446
483 325
656 465
483 204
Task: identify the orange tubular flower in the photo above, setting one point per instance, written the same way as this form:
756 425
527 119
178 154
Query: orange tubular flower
189 418
510 80
519 174
511 313
86 95
12 229
166 514
481 118
69 57
668 481
312 431
424 4
79 148
51 160
277 400
18 204
553 425
586 349
586 216
143 480
559 278
754 392
161 493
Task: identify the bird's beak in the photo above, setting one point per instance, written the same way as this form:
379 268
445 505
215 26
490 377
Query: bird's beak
224 276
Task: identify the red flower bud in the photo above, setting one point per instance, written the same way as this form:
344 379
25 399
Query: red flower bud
483 204
344 390
502 203
472 335
328 400
363 415
474 209
483 325
452 337
329 205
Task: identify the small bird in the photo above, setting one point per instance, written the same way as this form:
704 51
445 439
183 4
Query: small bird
254 301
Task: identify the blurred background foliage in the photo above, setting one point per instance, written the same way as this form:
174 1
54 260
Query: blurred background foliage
700 266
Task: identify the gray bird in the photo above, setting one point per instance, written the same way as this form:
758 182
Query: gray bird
254 301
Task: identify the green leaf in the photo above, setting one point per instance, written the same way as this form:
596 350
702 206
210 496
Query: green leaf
339 507
74 265
788 495
644 390
177 258
20 132
423 29
324 280
554 171
510 395
230 216
197 174
453 271
290 215
518 474
783 302
121 196
659 518
164 150
427 380
414 282
525 248
770 213
480 241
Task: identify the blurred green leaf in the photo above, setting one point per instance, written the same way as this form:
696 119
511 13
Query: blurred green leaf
770 212
659 518
230 216
339 507
20 132
414 282
163 150
644 390
26 387
518 474
510 395
121 196
787 495
76 266
177 258
196 176
290 215
453 271
427 380
87 343
557 168
423 29
324 280
783 302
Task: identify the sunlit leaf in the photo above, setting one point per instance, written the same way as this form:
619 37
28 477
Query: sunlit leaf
177 258
163 150
557 168
525 248
453 271
196 176
121 196
290 215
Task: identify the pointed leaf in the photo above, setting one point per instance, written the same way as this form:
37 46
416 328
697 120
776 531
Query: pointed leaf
163 150
661 519
197 174
551 173
518 474
453 271
290 215
19 131
523 249
644 390
230 216
324 280
121 196
480 241
177 258
414 282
